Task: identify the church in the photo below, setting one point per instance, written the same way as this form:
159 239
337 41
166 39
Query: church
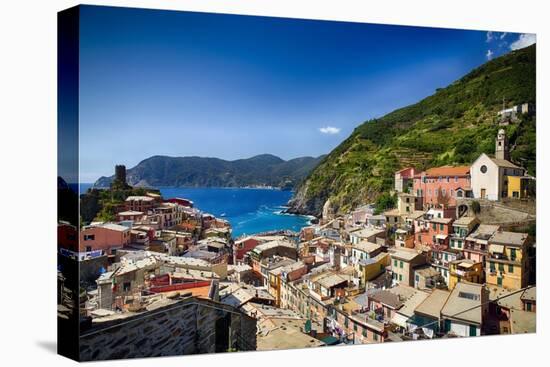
496 178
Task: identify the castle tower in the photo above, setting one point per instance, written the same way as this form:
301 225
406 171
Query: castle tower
501 148
120 174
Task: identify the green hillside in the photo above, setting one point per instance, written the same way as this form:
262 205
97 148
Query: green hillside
264 169
452 126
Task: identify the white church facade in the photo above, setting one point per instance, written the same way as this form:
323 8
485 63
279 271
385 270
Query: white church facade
489 176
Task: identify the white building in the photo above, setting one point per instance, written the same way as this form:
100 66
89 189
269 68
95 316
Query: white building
489 176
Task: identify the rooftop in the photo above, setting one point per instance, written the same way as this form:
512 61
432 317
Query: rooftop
465 221
509 238
367 246
464 303
432 305
448 171
504 163
367 232
273 244
139 198
483 232
522 321
405 254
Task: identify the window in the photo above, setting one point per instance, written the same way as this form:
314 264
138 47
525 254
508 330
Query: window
492 266
400 277
88 248
354 327
499 281
417 277
434 226
447 178
441 227
401 264
510 268
395 263
528 306
375 336
483 169
443 192
126 286
89 237
365 333
513 254
501 267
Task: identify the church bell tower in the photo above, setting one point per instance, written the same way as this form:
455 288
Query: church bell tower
501 148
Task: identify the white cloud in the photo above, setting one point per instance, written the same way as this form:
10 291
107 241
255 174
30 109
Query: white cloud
489 54
524 40
503 35
489 36
330 130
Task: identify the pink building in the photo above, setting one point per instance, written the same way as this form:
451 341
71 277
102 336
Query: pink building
434 228
439 185
102 239
129 215
404 179
242 246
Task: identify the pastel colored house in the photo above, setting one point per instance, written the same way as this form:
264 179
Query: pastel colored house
139 203
477 243
403 179
372 267
104 238
462 227
465 271
403 263
465 310
508 259
439 185
519 187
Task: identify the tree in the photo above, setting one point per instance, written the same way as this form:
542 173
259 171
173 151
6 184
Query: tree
476 207
384 202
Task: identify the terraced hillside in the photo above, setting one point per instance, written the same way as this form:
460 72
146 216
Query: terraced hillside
452 126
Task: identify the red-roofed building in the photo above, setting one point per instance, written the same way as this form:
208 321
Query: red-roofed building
180 201
439 185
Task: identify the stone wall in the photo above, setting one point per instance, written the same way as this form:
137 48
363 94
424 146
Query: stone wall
187 326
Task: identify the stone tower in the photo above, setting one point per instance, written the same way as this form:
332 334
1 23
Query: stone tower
120 174
501 148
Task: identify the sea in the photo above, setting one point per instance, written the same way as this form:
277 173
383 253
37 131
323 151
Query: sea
249 210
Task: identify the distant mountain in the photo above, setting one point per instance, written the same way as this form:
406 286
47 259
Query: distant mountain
453 126
260 170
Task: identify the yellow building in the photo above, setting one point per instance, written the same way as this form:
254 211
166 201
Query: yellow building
464 271
508 262
373 267
518 186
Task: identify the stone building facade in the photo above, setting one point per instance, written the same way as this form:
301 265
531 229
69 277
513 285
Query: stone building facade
176 327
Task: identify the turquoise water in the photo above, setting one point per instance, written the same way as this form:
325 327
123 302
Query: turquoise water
248 210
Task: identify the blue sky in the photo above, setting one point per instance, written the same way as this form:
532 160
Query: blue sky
226 86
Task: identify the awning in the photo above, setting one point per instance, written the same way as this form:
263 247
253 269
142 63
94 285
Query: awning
465 264
499 249
441 236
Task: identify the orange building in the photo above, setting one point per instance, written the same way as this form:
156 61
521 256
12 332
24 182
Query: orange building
442 185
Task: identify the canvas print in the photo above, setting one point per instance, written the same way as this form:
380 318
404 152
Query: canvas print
235 183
